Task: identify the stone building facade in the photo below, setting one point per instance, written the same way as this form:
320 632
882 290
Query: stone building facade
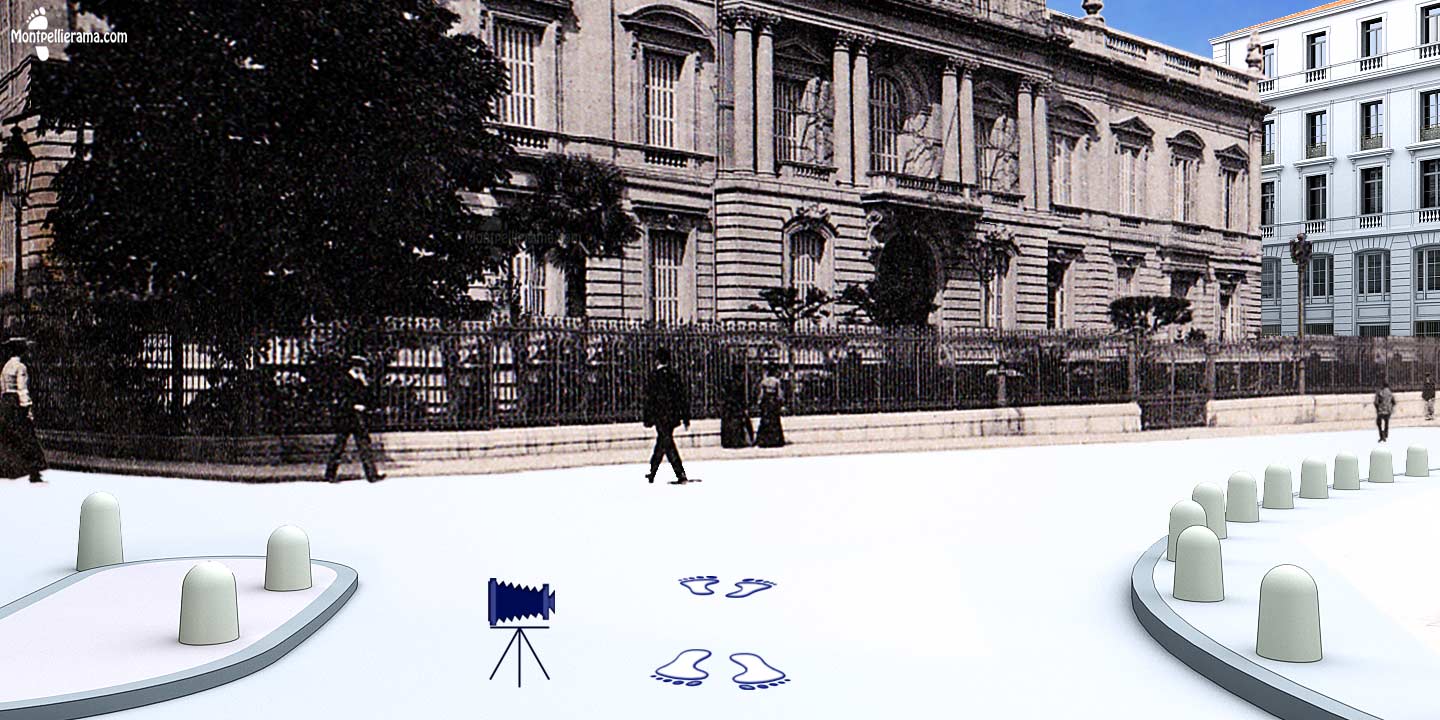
769 143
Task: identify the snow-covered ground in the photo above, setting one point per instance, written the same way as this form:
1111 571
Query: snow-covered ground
981 583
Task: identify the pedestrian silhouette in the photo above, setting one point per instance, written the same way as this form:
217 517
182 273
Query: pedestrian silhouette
667 406
354 398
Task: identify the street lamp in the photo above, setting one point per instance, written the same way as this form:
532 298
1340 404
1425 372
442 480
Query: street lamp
18 162
1300 251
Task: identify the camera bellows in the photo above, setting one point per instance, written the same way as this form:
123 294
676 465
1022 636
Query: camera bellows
513 602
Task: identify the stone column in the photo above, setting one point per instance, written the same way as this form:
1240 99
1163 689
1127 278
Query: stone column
744 93
968 142
1026 127
1042 146
841 132
861 109
949 117
765 96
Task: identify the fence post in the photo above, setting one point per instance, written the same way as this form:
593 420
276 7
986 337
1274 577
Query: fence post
1132 367
1300 365
1209 373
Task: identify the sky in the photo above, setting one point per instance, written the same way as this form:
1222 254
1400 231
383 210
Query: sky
1187 24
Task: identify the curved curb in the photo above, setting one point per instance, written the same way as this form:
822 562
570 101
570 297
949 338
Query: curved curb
252 659
1257 685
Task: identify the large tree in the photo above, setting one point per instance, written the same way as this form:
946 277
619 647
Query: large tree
576 210
258 163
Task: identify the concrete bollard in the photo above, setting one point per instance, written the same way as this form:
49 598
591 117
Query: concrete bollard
209 607
1417 462
1279 488
1289 629
1314 479
1347 472
287 560
1241 505
100 540
1183 515
1382 466
1199 572
1212 499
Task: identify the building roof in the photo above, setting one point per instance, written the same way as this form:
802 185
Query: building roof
1293 16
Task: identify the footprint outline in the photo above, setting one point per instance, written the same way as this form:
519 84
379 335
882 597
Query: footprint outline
704 581
745 668
750 586
694 665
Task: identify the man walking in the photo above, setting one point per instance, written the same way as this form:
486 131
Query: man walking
1384 406
1427 393
667 405
353 400
20 451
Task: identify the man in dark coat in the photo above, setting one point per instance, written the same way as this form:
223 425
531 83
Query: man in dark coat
353 399
667 405
1427 393
1384 406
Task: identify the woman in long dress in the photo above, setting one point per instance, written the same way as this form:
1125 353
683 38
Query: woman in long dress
735 428
20 451
772 401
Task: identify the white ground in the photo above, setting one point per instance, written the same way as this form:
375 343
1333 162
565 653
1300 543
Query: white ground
967 584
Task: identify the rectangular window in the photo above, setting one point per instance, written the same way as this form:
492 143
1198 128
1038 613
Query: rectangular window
516 46
806 251
1320 283
529 278
1315 55
1234 194
1066 148
662 78
1427 328
1429 24
1372 191
1372 124
1055 300
1185 189
1319 328
667 272
1372 38
1267 142
1270 67
1132 180
789 93
1428 263
1316 197
1430 184
1270 278
1267 203
1429 113
1373 273
885 125
1270 330
1374 331
1315 134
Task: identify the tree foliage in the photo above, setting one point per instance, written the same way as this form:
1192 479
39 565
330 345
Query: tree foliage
576 209
791 308
259 163
1145 315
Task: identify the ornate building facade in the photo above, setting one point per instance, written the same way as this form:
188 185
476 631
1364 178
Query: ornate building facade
771 143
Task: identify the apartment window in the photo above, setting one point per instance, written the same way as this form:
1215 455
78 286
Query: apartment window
1270 67
1430 184
1067 149
1270 278
1320 283
1316 134
667 272
1124 281
1316 197
1132 179
1427 328
1372 273
1270 330
529 277
1056 300
1427 261
662 78
1372 38
885 124
807 249
1372 125
1430 24
1267 143
1372 191
1267 203
1315 51
1186 169
1374 331
1234 194
993 311
1430 115
1319 328
517 46
800 123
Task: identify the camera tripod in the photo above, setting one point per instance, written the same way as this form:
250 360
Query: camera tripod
519 658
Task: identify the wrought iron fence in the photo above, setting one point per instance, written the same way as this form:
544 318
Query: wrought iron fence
434 375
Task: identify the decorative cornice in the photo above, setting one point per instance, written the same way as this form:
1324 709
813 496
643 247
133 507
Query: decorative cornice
853 41
1027 85
738 17
765 23
961 66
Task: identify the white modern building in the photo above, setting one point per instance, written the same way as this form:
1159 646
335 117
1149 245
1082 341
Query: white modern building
1350 157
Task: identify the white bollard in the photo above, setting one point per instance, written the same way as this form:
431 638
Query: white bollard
1417 462
1314 480
1183 515
1289 629
1279 488
1241 505
1199 572
100 541
1212 499
287 560
209 608
1347 472
1382 466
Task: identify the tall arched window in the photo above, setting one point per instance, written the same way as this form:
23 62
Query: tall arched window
886 121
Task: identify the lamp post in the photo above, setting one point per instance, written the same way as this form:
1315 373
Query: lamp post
1300 251
18 162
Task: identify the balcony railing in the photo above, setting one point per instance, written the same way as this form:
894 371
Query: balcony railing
666 158
1315 227
1316 75
1315 151
1429 51
1428 215
1126 46
1372 63
811 171
1370 222
1372 142
1430 132
1267 231
901 181
1182 63
526 138
1267 85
